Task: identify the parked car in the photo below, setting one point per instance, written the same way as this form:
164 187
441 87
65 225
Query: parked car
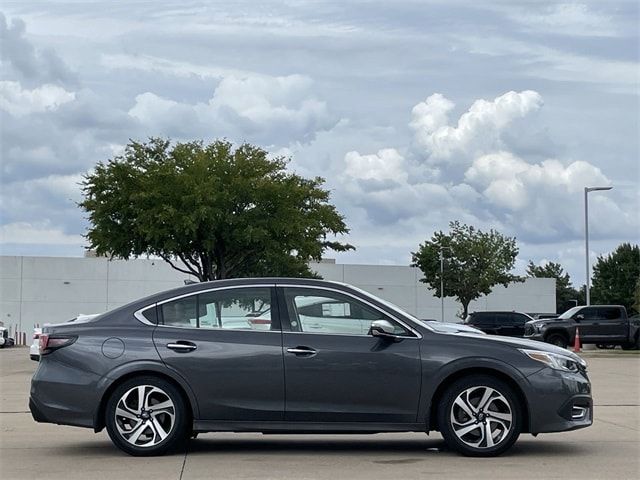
598 324
5 339
34 348
510 324
162 369
449 327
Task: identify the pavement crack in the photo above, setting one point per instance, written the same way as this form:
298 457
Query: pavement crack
184 462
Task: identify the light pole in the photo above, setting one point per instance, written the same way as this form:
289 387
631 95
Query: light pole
442 282
586 235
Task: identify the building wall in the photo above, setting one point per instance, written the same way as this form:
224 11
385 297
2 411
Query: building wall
37 290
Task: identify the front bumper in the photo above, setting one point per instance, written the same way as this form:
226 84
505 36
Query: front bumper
559 401
535 336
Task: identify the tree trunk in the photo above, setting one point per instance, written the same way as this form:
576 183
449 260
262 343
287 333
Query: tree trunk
465 308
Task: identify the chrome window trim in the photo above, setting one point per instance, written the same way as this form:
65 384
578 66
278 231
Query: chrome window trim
138 314
416 333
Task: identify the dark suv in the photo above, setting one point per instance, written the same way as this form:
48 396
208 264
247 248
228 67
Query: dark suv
510 324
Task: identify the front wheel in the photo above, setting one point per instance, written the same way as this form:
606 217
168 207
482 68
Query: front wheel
147 416
480 416
557 340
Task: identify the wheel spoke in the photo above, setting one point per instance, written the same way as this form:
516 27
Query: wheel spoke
502 416
158 429
463 431
465 406
126 413
488 434
485 398
135 435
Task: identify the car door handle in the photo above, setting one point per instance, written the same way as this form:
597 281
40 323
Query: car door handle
182 346
302 351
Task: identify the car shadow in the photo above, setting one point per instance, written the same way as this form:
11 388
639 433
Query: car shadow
210 444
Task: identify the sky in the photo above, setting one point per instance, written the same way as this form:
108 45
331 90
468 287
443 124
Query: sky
417 113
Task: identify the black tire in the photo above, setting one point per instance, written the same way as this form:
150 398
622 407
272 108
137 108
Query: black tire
178 432
446 411
558 340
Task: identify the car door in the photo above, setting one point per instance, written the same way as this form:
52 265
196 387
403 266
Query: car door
588 320
612 324
343 374
519 320
227 344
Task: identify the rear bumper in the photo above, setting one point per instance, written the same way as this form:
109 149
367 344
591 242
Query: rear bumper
63 395
559 401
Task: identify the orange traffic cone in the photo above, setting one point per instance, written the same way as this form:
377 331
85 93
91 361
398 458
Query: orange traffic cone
576 341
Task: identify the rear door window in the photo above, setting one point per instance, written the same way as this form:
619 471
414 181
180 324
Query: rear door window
609 313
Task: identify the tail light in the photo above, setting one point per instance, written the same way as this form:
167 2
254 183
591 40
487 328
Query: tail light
49 343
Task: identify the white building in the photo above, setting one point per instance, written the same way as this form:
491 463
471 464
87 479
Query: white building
37 290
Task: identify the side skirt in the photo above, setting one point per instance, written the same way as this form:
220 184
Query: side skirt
200 426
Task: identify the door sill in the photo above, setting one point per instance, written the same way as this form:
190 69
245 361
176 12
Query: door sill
201 426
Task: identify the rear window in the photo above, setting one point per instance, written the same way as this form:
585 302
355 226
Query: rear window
610 313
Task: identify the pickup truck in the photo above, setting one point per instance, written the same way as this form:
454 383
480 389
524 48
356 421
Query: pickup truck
598 324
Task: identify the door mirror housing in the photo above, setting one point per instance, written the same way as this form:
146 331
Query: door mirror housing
578 317
382 328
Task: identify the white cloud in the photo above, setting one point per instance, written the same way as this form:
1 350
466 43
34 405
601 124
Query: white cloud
258 108
478 130
19 102
41 233
567 19
386 165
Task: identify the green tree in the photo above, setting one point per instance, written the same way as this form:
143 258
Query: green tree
475 262
210 210
615 276
566 295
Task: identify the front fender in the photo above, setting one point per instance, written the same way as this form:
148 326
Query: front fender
439 379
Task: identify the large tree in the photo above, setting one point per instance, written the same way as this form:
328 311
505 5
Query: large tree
210 210
566 295
475 262
616 275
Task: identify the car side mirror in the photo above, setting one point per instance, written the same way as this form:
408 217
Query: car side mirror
578 317
382 328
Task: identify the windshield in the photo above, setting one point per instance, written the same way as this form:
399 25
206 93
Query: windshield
392 306
569 313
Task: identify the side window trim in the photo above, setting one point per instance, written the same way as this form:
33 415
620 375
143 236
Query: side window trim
285 318
275 318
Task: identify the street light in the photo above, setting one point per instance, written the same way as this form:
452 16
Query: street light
442 281
586 234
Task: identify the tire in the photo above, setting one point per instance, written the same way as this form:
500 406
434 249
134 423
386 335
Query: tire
606 346
557 339
156 433
453 418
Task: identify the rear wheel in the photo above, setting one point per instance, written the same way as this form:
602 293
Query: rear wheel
557 340
147 416
480 416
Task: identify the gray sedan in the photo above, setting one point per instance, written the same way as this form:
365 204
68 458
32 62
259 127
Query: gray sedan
298 356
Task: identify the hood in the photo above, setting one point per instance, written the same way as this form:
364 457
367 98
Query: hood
523 343
542 321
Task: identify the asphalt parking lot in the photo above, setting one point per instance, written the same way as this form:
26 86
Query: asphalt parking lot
608 449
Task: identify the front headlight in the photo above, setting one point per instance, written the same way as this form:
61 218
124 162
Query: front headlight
556 361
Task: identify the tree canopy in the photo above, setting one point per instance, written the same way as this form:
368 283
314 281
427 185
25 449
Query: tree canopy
615 277
475 262
566 295
210 210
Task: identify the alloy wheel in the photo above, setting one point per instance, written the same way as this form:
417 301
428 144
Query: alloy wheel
481 417
145 415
